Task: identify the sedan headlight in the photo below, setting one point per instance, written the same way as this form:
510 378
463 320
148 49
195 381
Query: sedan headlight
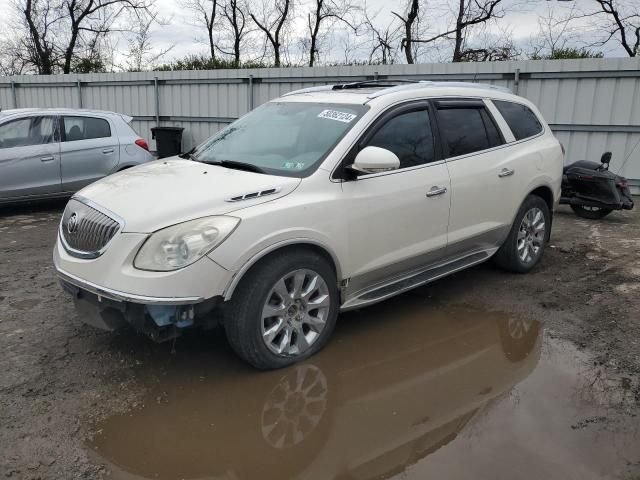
180 245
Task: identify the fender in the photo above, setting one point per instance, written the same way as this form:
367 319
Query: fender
235 279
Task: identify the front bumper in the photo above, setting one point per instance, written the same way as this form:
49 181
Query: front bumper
117 296
109 293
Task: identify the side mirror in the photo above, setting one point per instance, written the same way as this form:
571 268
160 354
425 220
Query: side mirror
375 160
606 158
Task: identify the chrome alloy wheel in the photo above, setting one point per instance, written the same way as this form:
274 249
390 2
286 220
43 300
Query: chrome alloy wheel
295 312
531 235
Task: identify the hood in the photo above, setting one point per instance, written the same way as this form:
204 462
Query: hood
169 191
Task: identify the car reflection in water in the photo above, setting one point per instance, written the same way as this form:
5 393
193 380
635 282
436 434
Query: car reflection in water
402 380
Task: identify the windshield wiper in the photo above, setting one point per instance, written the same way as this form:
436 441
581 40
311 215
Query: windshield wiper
189 155
249 167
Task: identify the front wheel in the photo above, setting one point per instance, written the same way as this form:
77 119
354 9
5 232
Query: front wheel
284 309
592 213
525 244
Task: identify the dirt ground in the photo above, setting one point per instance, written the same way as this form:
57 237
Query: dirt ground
80 403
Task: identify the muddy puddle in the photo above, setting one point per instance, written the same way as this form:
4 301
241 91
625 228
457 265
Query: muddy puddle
405 390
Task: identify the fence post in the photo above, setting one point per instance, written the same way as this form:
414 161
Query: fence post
516 81
250 92
14 94
79 94
157 97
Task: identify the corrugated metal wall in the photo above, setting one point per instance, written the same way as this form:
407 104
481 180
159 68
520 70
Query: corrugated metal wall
593 105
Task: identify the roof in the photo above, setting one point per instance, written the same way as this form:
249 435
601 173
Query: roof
19 111
365 92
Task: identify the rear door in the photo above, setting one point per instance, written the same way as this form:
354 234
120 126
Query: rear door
29 157
90 150
483 191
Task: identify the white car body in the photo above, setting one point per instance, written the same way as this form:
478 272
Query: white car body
383 233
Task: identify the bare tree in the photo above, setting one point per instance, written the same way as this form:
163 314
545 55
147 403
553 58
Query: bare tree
408 23
94 16
142 55
556 30
621 21
326 13
42 19
382 39
57 29
236 19
468 14
274 17
207 12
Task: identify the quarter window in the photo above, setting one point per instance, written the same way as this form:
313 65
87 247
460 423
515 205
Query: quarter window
521 120
467 130
85 128
409 136
29 131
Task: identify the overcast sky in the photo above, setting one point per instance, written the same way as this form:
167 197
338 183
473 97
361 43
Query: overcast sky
521 24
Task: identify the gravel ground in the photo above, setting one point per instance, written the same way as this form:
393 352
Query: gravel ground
60 377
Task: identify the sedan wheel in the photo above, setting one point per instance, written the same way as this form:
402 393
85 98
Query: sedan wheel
295 312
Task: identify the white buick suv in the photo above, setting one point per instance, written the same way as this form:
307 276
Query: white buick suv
327 199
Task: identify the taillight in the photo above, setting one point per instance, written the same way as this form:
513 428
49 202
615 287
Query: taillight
142 144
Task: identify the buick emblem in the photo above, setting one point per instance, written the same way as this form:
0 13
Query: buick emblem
72 223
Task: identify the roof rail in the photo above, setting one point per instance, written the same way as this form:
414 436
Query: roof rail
396 85
430 84
387 82
321 88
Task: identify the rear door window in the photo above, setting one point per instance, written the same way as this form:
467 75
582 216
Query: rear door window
521 120
409 136
467 130
85 128
28 131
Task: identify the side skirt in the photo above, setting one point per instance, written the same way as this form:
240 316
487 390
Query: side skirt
382 291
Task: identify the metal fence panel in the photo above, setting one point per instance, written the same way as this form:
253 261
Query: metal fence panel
593 105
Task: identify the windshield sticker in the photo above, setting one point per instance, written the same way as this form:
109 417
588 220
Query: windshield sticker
294 165
336 115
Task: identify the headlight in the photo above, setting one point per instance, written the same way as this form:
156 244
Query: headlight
180 245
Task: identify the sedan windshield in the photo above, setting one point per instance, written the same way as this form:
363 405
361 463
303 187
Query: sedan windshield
287 138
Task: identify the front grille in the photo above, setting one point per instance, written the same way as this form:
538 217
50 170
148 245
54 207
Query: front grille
85 230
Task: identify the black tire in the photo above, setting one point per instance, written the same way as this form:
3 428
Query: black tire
507 256
595 214
243 313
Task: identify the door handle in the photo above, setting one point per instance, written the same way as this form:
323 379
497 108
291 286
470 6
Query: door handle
506 172
435 191
107 150
50 158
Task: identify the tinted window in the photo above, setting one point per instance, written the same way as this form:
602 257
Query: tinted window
84 128
467 130
409 136
521 120
27 131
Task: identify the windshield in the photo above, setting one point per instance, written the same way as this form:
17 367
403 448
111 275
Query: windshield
288 138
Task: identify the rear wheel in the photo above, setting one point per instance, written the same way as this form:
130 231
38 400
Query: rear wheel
284 310
524 247
592 213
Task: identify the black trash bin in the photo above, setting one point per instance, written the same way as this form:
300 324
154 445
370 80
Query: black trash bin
168 140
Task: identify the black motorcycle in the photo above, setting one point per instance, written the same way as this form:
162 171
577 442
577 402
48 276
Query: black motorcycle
592 190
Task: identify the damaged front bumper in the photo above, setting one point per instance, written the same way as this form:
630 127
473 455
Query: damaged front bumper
161 318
